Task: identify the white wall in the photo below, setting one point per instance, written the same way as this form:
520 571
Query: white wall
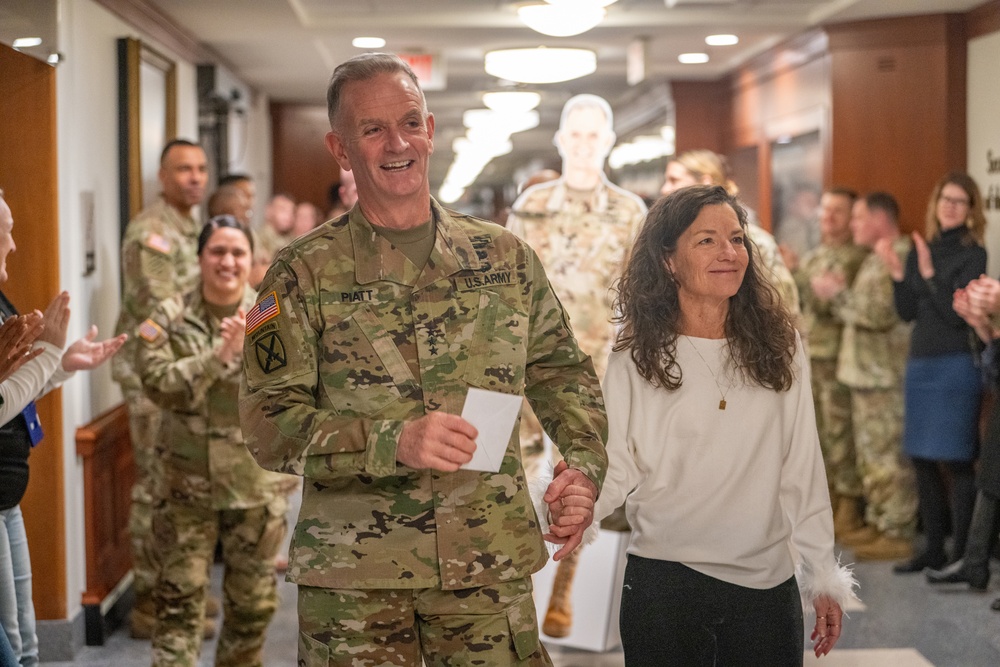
87 93
984 134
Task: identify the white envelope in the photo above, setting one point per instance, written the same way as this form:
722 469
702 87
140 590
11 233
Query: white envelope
493 414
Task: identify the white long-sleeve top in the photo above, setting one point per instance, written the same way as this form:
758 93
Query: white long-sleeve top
733 493
32 380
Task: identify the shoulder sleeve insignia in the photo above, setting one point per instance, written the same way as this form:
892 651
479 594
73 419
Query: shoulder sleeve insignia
270 351
150 331
265 309
158 243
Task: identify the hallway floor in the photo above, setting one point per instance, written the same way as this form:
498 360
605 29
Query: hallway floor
904 622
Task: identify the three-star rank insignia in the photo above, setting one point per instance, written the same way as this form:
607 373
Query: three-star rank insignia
270 352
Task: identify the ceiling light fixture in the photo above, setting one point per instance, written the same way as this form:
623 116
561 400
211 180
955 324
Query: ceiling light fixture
693 58
562 19
512 101
26 42
541 65
722 40
599 3
368 42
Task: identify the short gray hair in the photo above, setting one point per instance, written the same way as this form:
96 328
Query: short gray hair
588 101
364 67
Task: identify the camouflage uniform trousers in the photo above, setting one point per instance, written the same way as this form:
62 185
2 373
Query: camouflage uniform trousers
494 626
833 420
886 475
144 426
185 537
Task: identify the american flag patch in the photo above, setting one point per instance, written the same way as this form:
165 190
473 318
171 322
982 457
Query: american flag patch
158 243
265 309
150 331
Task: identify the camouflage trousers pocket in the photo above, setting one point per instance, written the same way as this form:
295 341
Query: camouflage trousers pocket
312 652
523 627
273 530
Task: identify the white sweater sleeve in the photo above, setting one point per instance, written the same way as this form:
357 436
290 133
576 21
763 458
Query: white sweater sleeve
36 378
806 500
623 474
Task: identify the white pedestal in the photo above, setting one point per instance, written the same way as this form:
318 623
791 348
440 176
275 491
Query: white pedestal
596 594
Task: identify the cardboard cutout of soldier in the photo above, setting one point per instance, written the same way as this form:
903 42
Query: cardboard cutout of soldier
581 226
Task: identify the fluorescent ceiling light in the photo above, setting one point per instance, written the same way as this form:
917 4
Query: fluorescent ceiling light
563 19
722 40
368 42
498 122
693 58
512 101
541 65
26 42
599 3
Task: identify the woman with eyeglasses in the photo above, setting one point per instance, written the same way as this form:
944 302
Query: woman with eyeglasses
190 361
942 388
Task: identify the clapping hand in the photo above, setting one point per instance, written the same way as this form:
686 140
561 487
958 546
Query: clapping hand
232 329
885 252
570 497
86 355
924 263
17 334
827 285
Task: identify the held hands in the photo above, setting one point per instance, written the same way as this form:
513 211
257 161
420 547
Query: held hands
829 617
438 440
570 497
984 295
86 355
17 334
885 252
232 329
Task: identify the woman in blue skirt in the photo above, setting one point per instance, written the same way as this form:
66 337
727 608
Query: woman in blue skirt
942 387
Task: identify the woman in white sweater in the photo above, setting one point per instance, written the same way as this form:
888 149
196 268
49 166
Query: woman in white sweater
713 448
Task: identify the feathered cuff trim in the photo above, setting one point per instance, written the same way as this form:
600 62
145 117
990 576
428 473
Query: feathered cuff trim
837 581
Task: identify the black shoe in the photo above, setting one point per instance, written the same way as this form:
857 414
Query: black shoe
995 605
957 573
919 563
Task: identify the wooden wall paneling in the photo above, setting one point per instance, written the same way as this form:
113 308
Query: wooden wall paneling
29 177
983 20
702 110
302 166
898 106
105 448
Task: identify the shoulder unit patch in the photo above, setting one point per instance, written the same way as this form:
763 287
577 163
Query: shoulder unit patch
265 309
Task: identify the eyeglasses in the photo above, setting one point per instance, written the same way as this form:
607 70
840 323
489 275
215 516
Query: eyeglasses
954 201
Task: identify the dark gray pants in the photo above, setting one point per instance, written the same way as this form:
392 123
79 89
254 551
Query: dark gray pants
673 615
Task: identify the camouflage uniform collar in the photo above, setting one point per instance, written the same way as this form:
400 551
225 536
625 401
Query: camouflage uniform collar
196 312
596 199
185 223
376 260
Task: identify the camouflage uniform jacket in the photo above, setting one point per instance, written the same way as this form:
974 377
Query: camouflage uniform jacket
268 241
875 340
159 260
205 462
582 240
350 341
781 278
823 327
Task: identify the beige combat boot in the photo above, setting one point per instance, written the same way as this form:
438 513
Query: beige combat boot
846 515
559 616
863 535
885 548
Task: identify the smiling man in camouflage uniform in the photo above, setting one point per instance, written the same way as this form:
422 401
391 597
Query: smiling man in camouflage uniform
366 338
159 260
872 360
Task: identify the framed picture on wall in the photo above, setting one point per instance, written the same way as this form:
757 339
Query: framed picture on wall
147 119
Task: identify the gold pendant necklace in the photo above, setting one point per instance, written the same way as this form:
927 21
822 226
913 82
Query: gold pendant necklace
722 401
